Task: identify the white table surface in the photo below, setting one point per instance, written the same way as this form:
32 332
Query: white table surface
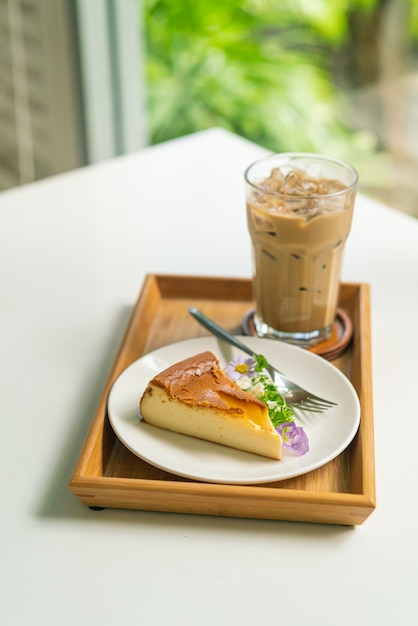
74 250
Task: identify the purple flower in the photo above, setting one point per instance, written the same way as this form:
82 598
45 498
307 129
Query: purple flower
294 437
241 366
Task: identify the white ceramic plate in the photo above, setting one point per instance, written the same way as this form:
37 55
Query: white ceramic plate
329 433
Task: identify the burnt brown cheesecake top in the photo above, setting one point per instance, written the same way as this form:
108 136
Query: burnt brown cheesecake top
200 381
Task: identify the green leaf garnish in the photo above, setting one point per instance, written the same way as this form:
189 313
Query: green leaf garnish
262 363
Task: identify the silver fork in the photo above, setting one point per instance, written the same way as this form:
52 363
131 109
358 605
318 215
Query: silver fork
295 395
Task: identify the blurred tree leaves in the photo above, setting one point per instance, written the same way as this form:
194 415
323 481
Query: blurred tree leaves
260 68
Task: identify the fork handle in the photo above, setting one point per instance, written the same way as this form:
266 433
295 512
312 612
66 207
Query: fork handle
218 331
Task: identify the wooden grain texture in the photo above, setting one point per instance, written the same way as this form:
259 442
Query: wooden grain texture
109 475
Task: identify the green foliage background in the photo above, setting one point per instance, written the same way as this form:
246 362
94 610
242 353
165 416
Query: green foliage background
264 69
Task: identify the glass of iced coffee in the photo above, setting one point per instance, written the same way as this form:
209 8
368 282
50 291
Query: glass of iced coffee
299 211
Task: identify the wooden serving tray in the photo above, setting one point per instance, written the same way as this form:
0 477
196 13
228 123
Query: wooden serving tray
108 475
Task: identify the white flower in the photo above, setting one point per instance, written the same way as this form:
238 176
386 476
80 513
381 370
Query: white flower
244 382
241 366
258 389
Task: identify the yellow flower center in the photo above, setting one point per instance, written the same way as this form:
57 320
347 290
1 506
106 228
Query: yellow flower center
242 368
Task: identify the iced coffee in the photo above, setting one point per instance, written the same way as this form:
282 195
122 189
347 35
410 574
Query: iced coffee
299 210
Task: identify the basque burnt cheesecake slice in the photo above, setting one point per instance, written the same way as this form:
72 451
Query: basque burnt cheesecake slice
195 397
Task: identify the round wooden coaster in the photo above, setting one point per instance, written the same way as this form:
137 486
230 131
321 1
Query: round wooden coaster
340 337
